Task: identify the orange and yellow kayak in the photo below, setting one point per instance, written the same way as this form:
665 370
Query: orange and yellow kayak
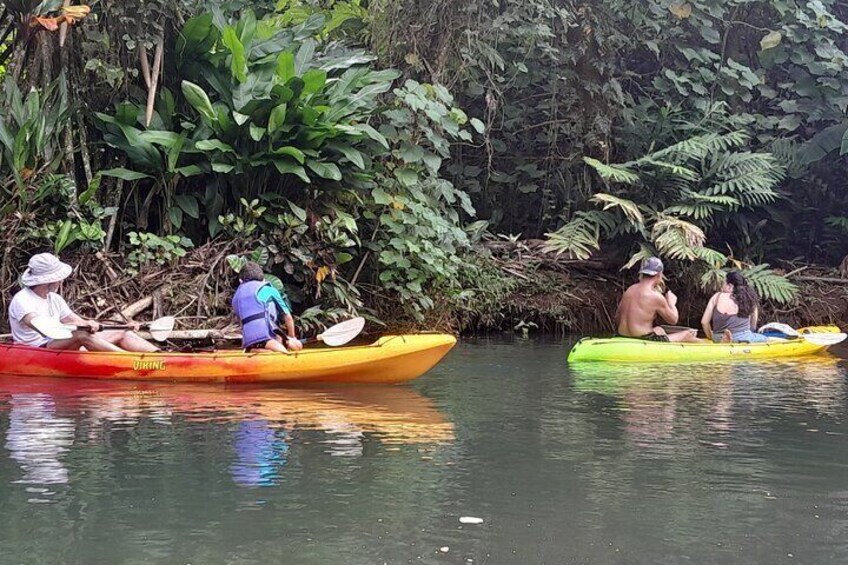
391 359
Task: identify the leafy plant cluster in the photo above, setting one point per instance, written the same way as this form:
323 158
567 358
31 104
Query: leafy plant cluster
278 135
567 88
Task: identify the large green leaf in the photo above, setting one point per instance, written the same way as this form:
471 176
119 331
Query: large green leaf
246 27
277 118
285 66
353 155
407 176
293 152
325 170
166 139
214 145
124 174
304 56
314 80
256 132
287 167
198 99
188 204
238 59
197 37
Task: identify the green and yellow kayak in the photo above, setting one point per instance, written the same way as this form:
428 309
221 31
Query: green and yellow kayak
630 350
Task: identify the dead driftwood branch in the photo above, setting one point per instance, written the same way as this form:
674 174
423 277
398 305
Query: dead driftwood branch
831 280
137 307
199 335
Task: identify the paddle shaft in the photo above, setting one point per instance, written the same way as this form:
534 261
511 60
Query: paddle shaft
114 327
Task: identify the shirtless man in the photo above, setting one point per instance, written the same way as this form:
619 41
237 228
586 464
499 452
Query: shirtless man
642 303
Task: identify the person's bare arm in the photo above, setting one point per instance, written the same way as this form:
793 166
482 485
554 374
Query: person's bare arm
754 317
292 343
667 307
289 323
76 320
706 319
26 321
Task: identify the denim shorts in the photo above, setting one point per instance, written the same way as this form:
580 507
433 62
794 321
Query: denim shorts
746 336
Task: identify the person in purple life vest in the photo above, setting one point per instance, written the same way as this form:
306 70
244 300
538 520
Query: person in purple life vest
262 309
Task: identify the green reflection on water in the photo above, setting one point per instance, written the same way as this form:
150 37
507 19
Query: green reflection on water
608 464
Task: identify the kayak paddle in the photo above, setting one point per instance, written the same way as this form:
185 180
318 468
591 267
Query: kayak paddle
827 339
159 329
339 334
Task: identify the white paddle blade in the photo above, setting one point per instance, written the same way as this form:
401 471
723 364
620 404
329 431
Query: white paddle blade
826 339
51 327
161 329
342 333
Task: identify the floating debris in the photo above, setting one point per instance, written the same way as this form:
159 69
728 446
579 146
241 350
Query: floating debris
470 520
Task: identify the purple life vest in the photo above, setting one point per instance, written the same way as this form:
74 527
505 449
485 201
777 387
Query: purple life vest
258 320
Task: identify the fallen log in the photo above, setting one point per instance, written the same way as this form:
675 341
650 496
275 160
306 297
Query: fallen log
137 307
833 280
197 335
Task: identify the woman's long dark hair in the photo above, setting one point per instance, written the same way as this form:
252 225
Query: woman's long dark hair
743 295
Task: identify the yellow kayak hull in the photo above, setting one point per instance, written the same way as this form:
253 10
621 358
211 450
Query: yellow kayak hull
629 350
391 359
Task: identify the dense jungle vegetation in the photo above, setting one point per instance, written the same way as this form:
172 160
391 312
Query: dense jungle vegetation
450 162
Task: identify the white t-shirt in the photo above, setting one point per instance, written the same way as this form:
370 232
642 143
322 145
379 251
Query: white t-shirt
27 302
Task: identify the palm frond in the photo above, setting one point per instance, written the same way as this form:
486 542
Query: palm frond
645 251
838 222
713 258
702 206
579 237
770 285
677 170
613 173
628 207
712 279
677 239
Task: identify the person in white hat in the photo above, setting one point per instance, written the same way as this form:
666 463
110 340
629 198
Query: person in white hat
643 302
39 297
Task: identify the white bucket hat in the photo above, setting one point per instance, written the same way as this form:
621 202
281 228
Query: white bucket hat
45 268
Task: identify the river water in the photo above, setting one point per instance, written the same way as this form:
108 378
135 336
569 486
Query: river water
501 454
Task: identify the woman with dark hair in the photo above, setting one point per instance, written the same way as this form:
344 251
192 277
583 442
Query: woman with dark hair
732 312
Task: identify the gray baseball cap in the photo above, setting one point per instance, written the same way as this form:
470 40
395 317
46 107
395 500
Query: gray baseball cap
651 266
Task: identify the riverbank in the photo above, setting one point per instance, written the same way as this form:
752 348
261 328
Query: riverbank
528 290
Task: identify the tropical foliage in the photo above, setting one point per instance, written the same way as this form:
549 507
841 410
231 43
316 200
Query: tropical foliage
361 149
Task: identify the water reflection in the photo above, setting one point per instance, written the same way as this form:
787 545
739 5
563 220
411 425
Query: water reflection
261 452
658 403
262 420
37 438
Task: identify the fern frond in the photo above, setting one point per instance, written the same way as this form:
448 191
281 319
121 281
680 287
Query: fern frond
614 173
696 211
838 222
676 170
712 279
789 154
628 207
579 237
694 148
677 239
770 285
750 188
645 251
702 206
715 259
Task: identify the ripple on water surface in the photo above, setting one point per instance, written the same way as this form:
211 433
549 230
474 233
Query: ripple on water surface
542 462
